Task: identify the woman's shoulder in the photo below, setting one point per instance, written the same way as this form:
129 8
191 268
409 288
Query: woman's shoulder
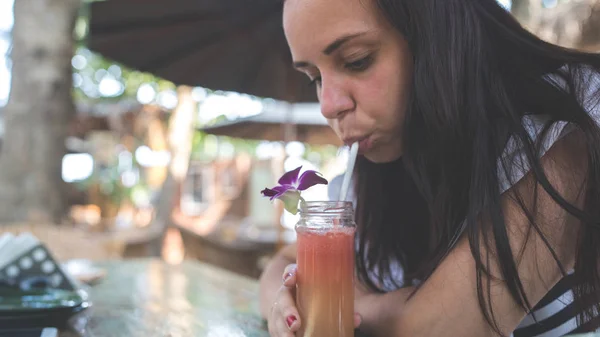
513 164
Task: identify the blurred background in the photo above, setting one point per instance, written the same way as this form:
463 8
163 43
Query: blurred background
148 128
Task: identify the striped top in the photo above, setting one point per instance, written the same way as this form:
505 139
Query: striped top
555 314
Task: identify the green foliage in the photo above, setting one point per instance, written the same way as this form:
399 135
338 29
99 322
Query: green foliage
109 182
99 80
90 69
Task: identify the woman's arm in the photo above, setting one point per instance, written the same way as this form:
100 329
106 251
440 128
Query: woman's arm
447 303
270 280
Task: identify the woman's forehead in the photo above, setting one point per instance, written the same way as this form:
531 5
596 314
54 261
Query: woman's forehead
319 22
329 11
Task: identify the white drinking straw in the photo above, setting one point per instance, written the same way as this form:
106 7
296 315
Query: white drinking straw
348 175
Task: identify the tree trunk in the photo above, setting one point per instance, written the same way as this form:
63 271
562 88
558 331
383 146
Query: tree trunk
520 9
38 111
590 31
528 12
180 134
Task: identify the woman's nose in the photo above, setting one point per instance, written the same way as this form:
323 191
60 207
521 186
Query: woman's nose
335 100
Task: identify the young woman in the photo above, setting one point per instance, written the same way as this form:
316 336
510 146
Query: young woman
478 184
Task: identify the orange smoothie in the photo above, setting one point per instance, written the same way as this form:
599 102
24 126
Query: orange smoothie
325 288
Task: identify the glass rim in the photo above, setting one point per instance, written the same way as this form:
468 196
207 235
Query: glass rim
325 207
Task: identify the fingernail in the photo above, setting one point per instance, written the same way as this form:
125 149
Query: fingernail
357 320
287 276
290 320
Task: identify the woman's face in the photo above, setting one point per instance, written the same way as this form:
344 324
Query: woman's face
361 67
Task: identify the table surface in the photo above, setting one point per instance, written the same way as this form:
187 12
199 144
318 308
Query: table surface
149 298
146 297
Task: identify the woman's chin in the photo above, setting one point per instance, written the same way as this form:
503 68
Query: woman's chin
378 156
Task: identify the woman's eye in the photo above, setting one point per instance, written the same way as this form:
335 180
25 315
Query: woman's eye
360 65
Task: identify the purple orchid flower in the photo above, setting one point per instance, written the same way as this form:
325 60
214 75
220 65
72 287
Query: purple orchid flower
290 186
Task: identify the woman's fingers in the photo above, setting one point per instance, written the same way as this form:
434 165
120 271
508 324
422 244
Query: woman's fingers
289 276
287 307
284 319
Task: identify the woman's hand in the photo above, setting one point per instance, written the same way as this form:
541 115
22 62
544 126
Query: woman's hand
284 319
378 312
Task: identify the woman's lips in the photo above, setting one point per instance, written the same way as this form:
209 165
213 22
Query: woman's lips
364 143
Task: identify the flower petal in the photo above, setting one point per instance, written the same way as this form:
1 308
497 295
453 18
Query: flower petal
290 178
310 178
277 191
267 192
290 200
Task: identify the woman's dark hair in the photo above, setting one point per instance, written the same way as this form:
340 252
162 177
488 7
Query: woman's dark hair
477 73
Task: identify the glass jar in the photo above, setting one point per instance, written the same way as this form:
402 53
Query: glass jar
325 276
